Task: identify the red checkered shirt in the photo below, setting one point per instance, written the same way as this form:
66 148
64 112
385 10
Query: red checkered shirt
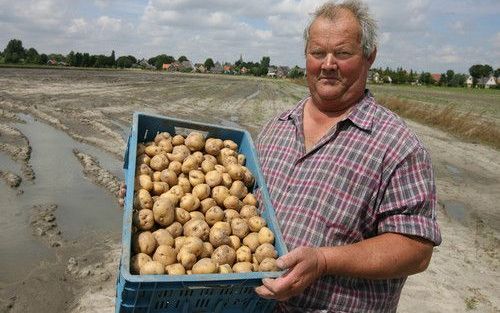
367 176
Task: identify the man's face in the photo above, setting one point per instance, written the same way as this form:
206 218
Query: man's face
335 64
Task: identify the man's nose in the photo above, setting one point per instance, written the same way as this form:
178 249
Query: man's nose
329 63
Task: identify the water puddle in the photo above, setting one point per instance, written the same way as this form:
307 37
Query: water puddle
456 209
82 205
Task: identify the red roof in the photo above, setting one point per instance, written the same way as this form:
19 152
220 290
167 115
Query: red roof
436 77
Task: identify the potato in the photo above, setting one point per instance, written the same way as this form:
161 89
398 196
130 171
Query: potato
213 178
138 261
201 191
140 148
170 196
207 166
241 159
235 171
229 160
235 242
266 236
166 145
143 169
265 250
213 146
182 216
268 265
159 162
152 150
252 241
198 228
204 266
242 267
244 254
156 177
166 255
250 200
169 176
175 229
255 223
178 191
152 268
219 194
239 227
143 219
178 242
163 237
164 211
192 245
179 153
159 187
214 214
189 202
233 203
196 177
195 141
220 168
197 215
224 255
175 269
230 144
207 250
176 167
189 164
225 269
224 226
162 136
198 155
186 259
144 182
184 183
248 211
206 204
143 197
227 181
218 237
230 214
177 140
210 158
248 178
143 159
238 189
144 242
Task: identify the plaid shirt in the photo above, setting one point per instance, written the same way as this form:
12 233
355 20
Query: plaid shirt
367 176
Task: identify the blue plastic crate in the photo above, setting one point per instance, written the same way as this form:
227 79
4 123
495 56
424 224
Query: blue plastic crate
191 293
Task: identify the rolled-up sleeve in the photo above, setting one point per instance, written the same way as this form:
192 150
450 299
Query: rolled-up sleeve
408 205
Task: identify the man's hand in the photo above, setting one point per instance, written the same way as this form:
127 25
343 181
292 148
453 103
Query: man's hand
121 194
305 265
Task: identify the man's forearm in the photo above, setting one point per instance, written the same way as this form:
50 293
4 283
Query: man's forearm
385 256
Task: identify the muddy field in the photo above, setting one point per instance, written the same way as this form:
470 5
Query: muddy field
62 138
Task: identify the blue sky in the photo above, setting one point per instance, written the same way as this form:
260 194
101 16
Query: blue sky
423 35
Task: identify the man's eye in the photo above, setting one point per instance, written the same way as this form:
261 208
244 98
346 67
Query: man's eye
318 54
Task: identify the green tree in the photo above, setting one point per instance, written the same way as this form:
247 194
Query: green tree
112 59
132 58
426 78
14 52
450 74
209 63
32 56
43 59
497 72
78 59
295 72
86 60
124 62
71 58
162 59
182 58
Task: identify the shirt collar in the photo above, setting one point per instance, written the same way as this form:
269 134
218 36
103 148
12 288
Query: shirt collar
361 114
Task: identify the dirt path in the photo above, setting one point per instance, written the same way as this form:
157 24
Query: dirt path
96 107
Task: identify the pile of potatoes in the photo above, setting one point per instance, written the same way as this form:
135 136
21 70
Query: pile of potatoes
193 212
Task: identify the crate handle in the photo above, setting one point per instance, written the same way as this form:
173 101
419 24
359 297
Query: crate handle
125 157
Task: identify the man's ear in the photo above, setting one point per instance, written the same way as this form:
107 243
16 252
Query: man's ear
372 56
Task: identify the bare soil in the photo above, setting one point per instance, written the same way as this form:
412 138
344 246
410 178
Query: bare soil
95 107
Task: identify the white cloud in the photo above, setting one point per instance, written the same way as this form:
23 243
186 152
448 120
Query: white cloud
77 26
107 23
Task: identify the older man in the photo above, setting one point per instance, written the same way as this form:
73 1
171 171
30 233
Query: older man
352 186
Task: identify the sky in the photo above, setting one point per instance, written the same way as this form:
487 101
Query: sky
422 35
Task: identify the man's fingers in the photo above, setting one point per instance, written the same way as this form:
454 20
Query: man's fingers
290 259
264 292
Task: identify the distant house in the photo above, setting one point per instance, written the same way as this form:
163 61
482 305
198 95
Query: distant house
200 68
217 68
227 69
487 82
469 82
165 66
436 77
186 66
271 71
243 70
145 65
282 71
388 79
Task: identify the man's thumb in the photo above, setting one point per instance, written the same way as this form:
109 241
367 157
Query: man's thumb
288 260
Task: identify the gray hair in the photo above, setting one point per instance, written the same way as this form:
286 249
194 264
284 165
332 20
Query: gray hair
367 23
